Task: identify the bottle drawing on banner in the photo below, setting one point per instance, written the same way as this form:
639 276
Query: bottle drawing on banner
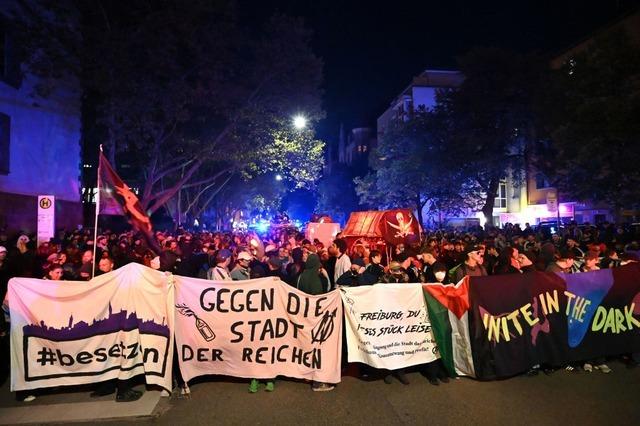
203 328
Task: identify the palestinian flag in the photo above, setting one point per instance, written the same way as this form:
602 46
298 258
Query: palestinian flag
449 307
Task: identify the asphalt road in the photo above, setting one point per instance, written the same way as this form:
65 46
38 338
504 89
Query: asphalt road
563 398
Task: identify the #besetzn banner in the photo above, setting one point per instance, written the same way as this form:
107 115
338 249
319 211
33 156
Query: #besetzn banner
388 326
117 325
259 328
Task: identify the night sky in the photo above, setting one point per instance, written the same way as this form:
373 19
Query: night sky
371 50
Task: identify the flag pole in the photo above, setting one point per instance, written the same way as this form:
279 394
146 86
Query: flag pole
95 225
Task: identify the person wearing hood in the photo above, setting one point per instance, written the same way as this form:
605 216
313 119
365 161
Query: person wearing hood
310 282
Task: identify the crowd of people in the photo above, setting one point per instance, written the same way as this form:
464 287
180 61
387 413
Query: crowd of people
444 256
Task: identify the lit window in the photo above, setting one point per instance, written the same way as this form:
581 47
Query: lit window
501 196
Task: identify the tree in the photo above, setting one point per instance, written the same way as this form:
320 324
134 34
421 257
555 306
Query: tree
411 167
491 118
295 156
186 95
336 193
589 116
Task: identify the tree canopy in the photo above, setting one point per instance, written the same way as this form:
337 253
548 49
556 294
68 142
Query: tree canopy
186 96
491 118
412 167
590 127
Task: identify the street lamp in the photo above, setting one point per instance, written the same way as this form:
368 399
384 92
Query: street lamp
299 122
278 177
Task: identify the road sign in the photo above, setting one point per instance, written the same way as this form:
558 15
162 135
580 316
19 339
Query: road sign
552 202
46 218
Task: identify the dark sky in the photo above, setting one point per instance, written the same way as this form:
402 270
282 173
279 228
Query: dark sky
371 50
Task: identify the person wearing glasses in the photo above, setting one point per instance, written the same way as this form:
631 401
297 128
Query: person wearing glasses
472 265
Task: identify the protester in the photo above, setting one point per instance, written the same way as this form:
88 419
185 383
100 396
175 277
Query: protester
242 270
220 271
343 263
472 265
374 271
85 273
293 259
310 282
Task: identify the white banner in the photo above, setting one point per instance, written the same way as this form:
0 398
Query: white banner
257 329
117 325
388 326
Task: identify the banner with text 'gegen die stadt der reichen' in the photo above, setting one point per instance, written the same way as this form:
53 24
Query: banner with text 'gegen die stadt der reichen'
258 328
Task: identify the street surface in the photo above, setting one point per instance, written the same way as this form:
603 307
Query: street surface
563 398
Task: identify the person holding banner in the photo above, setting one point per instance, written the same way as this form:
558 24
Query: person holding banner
472 265
242 270
396 274
240 273
220 272
309 282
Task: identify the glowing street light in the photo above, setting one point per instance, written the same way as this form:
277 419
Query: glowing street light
278 177
299 122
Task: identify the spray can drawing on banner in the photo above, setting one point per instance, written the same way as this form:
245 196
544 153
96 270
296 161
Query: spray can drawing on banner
204 329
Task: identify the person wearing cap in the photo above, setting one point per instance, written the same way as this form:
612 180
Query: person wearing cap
242 271
351 278
472 265
396 274
220 272
274 268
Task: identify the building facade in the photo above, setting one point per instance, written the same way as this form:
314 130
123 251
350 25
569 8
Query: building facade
39 144
530 199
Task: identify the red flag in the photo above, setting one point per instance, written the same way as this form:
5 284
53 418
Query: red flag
116 198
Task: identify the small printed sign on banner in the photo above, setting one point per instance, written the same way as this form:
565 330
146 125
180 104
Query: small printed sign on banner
388 326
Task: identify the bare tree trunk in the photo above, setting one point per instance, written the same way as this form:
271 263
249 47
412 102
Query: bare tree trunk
487 209
419 206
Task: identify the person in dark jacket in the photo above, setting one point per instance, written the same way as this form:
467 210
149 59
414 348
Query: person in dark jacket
440 273
351 278
512 262
374 271
310 282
